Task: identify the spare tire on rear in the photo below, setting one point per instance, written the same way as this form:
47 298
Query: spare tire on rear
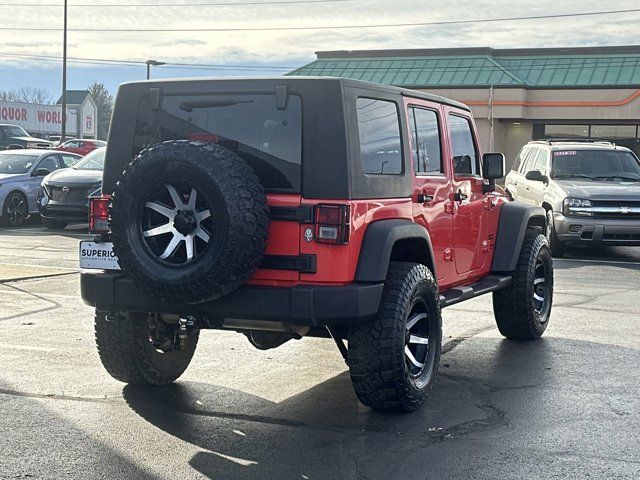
188 221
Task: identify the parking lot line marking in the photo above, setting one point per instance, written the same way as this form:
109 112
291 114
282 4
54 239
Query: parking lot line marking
26 347
585 260
37 266
239 461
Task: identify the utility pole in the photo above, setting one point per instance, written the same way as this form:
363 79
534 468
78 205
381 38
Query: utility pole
149 63
64 77
491 133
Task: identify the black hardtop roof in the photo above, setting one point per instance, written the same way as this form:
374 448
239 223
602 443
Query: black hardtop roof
302 79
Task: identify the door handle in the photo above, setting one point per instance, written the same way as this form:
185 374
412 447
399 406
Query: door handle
460 197
423 198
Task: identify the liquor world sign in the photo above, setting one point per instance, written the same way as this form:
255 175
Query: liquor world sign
38 118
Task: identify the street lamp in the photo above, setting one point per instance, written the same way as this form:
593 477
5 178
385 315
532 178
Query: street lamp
155 63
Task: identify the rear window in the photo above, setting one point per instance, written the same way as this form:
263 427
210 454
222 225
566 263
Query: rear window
267 138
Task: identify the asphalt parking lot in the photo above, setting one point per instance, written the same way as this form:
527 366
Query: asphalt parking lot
567 406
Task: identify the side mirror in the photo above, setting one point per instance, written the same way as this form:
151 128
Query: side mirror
493 166
537 176
41 172
462 165
492 169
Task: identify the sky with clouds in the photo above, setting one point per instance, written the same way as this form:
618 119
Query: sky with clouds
280 48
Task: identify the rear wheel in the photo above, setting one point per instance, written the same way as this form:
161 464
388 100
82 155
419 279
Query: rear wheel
522 310
142 349
53 224
393 359
555 246
15 210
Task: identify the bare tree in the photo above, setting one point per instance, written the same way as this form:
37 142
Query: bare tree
27 95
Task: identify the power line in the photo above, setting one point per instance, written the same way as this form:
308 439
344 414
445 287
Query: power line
328 27
132 63
216 4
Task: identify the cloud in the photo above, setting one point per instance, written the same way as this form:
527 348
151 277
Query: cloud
286 47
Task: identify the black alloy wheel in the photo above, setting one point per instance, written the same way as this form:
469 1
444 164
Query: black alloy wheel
16 209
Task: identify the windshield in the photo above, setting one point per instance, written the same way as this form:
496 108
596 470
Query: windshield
596 165
15 132
14 163
92 161
268 138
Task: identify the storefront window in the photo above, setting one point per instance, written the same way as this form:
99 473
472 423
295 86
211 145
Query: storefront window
612 132
566 131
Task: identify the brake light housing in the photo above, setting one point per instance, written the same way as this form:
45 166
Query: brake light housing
99 214
333 224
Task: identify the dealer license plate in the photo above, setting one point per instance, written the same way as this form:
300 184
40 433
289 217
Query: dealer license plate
98 256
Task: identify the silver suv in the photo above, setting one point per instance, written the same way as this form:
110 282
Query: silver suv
590 191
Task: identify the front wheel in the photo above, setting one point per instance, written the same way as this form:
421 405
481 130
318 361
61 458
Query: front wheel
393 359
522 309
15 210
142 349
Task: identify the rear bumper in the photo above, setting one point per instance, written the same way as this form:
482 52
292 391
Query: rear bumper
300 305
602 231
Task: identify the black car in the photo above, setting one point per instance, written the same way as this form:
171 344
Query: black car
64 196
14 136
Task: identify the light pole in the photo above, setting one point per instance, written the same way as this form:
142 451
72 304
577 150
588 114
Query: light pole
149 63
63 133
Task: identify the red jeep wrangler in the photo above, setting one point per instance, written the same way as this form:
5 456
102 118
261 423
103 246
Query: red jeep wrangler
291 207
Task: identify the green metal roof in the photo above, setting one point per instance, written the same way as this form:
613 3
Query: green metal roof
431 68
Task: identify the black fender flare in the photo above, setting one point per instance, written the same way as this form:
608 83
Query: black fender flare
514 220
377 246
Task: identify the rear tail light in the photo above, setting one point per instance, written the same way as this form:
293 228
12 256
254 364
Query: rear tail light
333 224
99 214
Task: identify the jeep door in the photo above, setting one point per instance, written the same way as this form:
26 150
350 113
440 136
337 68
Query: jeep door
469 222
431 182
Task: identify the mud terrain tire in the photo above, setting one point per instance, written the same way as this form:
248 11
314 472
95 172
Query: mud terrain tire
228 192
518 312
129 356
382 374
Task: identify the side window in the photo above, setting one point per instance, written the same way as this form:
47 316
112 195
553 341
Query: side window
69 160
530 160
425 141
465 156
49 162
379 131
542 162
522 154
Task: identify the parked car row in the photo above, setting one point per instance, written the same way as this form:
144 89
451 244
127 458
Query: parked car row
14 137
54 184
589 190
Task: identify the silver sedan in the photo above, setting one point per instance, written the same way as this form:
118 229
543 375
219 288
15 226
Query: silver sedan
21 173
